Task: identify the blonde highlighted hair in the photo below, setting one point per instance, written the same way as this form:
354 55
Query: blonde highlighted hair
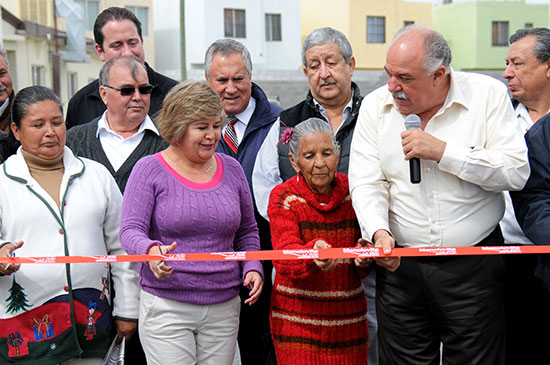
187 102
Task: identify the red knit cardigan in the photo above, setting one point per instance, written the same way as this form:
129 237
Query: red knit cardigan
317 317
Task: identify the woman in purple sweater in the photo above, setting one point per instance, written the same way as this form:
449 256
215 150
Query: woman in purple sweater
189 199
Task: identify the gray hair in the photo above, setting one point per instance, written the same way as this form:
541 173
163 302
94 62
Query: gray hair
305 128
5 55
542 44
436 49
30 96
226 47
131 62
327 35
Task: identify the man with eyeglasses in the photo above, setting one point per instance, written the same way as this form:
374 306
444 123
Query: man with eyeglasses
117 32
124 133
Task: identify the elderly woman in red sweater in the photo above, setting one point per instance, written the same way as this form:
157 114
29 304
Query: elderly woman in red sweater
318 307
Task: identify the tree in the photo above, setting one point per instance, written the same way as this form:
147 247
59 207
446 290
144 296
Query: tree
18 299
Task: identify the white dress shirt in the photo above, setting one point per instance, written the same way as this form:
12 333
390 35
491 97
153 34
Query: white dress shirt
243 119
116 147
4 106
266 174
459 200
511 230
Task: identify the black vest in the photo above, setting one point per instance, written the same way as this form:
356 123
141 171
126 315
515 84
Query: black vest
291 117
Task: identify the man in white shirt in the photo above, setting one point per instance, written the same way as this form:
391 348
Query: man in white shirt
124 133
528 75
469 153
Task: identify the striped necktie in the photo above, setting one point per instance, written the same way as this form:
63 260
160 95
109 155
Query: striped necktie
230 136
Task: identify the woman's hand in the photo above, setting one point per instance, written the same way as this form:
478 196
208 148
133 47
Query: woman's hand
8 251
363 262
324 264
254 280
159 268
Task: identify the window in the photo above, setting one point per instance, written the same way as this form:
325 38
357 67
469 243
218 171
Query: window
141 14
500 34
35 11
235 23
71 83
37 75
91 11
406 23
528 25
376 29
273 27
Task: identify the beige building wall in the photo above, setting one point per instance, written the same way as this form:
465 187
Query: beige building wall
29 54
324 13
350 17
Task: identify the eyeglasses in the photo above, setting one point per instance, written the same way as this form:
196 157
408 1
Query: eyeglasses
130 90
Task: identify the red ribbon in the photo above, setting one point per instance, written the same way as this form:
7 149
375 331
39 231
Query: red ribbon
326 253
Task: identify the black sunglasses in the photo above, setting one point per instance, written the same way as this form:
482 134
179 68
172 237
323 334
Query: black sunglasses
130 90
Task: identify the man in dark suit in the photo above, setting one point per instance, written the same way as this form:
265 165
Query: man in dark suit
117 32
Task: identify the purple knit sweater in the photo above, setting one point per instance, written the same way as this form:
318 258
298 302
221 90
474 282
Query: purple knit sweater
158 207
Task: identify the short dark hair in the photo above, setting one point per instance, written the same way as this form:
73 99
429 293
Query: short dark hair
542 45
113 13
30 96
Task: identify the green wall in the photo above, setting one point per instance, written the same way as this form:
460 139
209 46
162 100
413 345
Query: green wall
467 27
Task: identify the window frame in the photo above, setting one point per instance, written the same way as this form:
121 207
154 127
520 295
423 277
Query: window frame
273 33
374 35
500 32
234 21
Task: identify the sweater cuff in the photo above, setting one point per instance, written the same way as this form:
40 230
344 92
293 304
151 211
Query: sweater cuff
154 243
253 266
119 318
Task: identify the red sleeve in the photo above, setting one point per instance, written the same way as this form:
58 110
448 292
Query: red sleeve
285 235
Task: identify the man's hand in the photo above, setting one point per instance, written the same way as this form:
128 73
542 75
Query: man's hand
384 239
419 144
125 329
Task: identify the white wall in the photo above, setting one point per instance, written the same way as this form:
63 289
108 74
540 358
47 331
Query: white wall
205 24
166 23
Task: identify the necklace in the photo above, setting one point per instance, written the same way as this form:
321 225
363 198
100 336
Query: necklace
183 172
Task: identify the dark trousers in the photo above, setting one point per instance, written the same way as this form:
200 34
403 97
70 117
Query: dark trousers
527 312
254 338
134 352
458 301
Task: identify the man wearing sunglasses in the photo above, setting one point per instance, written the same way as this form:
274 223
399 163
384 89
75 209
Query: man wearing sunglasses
124 133
117 32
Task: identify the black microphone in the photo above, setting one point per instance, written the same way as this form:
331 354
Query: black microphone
413 122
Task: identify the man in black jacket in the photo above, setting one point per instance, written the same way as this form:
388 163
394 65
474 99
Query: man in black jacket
117 32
